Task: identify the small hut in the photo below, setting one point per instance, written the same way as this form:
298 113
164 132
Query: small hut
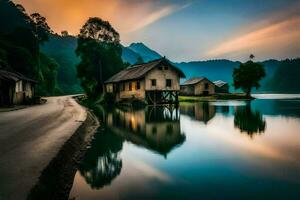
155 82
15 88
221 86
197 86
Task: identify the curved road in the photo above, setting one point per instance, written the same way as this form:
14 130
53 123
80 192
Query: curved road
30 138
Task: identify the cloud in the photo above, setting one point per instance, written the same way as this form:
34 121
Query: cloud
126 16
274 36
156 15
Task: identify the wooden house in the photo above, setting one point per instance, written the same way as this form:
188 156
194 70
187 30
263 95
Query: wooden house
155 82
197 87
15 88
221 86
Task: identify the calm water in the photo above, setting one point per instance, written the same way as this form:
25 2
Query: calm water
217 150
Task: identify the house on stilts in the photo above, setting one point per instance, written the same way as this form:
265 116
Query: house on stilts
155 82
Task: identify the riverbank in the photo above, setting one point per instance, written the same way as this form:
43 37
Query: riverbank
231 96
56 179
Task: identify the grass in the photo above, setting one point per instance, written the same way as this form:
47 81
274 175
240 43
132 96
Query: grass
229 96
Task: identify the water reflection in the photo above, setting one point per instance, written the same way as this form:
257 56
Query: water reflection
249 121
215 155
201 111
154 128
102 162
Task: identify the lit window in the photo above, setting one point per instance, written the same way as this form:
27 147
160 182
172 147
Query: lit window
168 82
130 86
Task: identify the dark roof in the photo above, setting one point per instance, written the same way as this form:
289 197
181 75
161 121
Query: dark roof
140 70
220 83
13 76
193 81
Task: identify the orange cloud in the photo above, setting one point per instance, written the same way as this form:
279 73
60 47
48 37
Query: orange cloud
273 38
125 16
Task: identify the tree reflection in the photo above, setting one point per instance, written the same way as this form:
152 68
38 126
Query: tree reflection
248 121
102 162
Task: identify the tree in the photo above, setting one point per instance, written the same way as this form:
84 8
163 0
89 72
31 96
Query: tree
247 76
41 29
64 33
251 56
100 52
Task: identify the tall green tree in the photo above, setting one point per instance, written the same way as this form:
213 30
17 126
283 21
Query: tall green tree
248 76
100 52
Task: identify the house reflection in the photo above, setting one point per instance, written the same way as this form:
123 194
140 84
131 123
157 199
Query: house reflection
155 128
102 162
200 111
249 121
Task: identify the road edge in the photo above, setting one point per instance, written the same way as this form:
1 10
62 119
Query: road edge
56 179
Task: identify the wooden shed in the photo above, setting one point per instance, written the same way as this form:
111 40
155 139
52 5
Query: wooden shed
15 88
221 86
155 82
197 86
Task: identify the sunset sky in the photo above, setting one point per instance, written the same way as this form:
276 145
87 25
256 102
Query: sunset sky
185 30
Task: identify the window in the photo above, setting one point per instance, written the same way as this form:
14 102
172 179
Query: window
138 85
130 86
19 86
168 82
160 68
206 86
166 68
122 88
154 130
153 82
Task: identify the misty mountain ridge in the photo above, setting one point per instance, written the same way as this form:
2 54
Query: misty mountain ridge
218 69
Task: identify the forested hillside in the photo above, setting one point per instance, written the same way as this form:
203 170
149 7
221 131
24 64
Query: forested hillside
20 38
62 49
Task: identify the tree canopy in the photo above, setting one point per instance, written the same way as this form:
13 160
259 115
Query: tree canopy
247 76
100 53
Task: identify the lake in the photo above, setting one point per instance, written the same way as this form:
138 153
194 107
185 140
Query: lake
215 150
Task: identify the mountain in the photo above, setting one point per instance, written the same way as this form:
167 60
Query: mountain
212 69
135 50
129 55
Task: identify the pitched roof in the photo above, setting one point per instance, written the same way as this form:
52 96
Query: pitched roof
193 81
140 70
220 83
13 76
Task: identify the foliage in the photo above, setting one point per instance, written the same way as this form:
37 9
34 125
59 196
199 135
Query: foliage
248 76
286 77
40 29
100 53
62 49
20 39
47 77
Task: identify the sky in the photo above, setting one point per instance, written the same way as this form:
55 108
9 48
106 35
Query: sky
186 30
